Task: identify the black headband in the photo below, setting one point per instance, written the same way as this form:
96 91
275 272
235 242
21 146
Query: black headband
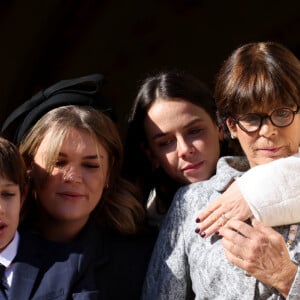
77 91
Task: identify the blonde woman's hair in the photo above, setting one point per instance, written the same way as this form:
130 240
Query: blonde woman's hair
119 208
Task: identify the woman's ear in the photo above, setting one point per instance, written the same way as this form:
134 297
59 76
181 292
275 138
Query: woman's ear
232 128
148 153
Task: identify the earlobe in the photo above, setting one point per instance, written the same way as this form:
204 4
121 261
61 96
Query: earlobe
28 176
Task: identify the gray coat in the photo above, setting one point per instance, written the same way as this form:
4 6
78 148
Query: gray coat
186 266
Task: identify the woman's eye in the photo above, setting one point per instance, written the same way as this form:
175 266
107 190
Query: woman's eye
7 194
60 163
165 143
282 113
251 118
92 166
195 130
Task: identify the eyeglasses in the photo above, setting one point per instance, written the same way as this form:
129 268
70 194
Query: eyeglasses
280 117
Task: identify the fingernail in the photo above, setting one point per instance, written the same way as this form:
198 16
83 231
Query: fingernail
217 233
203 234
197 230
198 220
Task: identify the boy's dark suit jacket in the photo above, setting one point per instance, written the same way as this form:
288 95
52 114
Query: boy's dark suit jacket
99 265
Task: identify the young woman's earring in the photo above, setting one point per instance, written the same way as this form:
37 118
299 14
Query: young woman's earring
232 137
28 176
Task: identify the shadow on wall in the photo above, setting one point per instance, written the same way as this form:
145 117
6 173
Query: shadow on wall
46 41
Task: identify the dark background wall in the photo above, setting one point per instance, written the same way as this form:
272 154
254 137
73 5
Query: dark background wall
45 41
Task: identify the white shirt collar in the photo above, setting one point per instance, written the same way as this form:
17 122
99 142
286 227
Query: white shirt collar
10 251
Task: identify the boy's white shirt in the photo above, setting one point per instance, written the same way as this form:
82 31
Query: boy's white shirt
272 191
7 255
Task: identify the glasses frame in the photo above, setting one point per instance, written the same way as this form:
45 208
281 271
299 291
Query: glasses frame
265 116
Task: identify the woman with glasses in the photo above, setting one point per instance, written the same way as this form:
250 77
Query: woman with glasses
250 195
258 96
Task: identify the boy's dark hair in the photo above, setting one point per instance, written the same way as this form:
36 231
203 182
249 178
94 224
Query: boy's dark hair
12 166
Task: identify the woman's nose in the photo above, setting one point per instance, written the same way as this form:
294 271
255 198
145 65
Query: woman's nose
267 128
2 210
184 148
72 174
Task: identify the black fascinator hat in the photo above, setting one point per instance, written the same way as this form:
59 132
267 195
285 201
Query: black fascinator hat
84 91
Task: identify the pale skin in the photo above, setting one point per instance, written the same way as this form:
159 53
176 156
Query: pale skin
10 204
182 139
71 192
258 249
231 203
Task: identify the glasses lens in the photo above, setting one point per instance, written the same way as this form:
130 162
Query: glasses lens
282 117
249 122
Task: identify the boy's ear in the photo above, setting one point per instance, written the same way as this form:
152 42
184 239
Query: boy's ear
148 153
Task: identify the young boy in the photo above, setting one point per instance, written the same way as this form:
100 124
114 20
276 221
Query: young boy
12 195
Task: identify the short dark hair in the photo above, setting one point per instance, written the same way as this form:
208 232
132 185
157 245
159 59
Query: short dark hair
262 74
12 166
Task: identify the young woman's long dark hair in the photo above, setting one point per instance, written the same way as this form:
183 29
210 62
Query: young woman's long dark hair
137 167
